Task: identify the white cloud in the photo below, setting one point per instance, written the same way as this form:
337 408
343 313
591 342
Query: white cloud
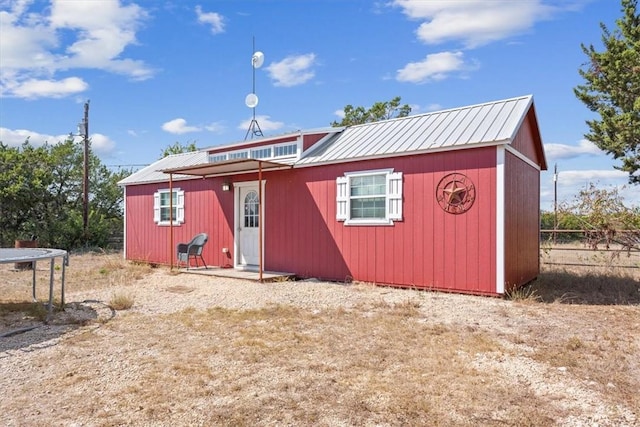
264 122
564 151
31 89
179 126
101 143
215 127
293 70
36 45
583 177
214 20
419 109
571 182
436 66
473 22
15 137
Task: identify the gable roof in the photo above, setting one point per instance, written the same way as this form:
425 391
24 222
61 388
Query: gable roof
152 173
490 123
487 124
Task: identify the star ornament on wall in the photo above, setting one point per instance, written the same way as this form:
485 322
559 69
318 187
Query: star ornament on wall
455 193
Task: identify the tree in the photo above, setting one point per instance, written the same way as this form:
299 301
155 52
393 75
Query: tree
177 148
378 111
41 195
605 218
612 90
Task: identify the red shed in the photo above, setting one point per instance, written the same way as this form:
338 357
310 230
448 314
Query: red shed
447 200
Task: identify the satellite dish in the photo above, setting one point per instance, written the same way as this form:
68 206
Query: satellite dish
257 59
251 100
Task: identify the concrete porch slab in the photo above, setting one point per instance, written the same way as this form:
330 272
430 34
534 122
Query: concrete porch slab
267 276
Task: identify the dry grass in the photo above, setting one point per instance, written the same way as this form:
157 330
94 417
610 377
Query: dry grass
568 355
121 302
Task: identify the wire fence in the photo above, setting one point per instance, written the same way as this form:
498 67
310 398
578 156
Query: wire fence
586 248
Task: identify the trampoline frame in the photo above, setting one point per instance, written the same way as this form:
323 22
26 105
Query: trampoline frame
18 255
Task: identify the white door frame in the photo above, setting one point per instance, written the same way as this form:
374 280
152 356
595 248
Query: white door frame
237 209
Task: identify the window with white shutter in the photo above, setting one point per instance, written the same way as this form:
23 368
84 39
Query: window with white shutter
369 197
165 204
342 198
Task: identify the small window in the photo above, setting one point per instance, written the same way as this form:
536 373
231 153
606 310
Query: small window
163 204
217 158
285 150
369 198
261 153
238 155
251 206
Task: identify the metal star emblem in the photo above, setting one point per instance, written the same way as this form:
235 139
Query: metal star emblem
455 194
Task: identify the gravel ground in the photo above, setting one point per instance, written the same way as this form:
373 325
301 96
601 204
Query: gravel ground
30 360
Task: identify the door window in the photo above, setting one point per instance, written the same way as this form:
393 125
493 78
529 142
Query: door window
251 216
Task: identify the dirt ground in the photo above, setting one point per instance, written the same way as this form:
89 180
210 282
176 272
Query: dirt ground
143 346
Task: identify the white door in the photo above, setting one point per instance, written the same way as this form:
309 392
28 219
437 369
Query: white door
248 220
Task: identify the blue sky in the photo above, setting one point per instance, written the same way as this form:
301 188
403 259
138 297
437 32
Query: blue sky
159 72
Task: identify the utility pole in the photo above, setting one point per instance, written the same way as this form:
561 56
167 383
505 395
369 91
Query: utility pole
555 201
84 131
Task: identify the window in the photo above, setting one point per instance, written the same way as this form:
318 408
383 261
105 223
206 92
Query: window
261 153
369 197
238 155
162 204
251 216
285 150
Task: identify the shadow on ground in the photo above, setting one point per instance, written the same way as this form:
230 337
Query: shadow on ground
603 288
23 326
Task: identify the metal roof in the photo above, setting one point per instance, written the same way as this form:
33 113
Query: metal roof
482 124
153 172
490 123
228 167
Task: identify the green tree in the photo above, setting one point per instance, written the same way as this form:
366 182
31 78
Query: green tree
41 195
177 148
612 90
378 111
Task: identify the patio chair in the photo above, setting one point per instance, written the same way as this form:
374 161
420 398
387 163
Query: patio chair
193 249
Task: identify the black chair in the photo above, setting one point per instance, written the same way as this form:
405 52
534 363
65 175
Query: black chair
193 249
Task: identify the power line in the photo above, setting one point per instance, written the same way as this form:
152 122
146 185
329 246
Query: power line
127 165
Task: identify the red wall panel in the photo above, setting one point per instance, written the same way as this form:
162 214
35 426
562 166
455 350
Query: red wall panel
207 210
522 221
527 141
429 248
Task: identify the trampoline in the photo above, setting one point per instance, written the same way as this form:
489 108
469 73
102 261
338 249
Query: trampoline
19 255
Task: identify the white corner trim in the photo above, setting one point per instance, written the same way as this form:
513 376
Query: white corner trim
500 243
124 223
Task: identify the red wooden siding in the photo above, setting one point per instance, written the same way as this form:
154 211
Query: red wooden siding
207 209
522 219
429 248
522 205
309 140
525 140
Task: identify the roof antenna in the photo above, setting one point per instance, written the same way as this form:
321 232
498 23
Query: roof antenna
251 101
